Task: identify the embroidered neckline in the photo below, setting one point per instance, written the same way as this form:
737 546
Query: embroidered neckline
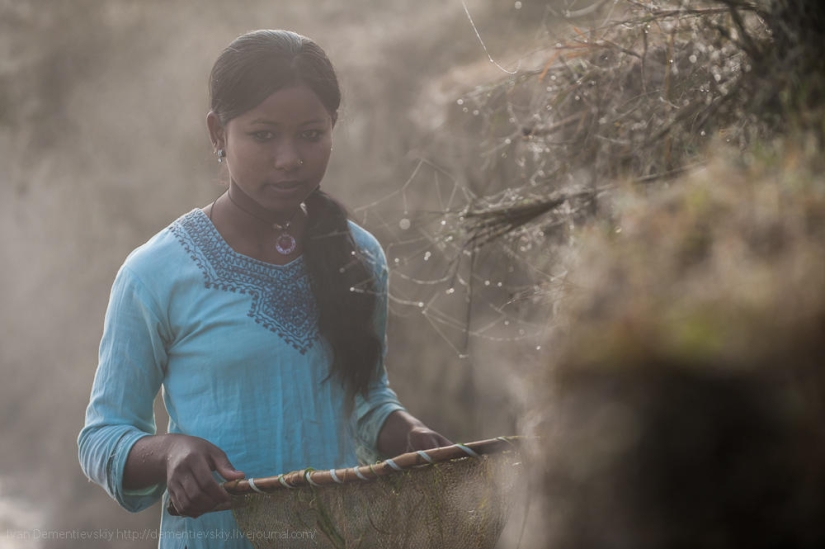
291 314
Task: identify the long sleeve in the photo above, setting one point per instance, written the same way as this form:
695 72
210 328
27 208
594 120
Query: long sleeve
129 374
233 342
371 412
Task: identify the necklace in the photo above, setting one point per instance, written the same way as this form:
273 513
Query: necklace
285 243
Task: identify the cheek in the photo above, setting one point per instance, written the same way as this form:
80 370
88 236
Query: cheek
319 153
248 156
322 156
244 170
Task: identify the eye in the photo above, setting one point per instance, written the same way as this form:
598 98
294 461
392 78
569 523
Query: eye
263 135
312 135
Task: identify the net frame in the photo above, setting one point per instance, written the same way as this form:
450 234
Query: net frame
455 496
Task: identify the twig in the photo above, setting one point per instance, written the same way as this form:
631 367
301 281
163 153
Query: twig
483 45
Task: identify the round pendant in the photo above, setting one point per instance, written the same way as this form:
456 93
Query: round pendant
285 244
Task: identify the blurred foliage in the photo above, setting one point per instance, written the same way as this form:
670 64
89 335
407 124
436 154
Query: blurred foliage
683 403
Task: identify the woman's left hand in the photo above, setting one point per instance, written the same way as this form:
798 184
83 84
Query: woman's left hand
403 433
424 438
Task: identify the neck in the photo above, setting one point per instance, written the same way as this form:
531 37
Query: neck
254 236
240 202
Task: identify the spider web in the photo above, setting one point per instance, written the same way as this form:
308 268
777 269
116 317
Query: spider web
473 285
464 291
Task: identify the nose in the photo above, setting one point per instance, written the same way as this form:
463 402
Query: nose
287 157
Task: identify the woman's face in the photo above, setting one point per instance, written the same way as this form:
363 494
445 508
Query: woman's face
277 153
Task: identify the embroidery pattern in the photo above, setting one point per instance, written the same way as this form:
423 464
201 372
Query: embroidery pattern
282 299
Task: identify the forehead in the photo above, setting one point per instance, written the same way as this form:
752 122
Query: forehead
293 106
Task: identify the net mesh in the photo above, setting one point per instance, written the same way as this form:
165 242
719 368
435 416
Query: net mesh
462 503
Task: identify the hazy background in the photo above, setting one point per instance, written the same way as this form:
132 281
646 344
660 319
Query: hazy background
103 143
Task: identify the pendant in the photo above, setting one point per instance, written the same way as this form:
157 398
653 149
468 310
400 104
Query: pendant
285 244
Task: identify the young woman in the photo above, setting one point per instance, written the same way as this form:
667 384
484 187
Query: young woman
262 315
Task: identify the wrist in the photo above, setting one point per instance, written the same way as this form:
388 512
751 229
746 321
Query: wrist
146 464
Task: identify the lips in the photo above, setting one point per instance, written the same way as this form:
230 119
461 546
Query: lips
286 188
286 185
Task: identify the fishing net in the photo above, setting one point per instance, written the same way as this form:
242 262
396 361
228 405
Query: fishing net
453 497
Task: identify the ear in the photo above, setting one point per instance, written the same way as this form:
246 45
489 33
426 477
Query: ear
216 130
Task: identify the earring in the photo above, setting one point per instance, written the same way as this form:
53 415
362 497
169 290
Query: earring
300 162
221 154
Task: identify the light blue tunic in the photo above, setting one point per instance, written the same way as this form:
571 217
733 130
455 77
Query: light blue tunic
234 344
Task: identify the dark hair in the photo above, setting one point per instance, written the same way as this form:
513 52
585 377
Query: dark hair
250 69
259 63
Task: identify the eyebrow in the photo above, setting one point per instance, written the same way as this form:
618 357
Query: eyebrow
265 122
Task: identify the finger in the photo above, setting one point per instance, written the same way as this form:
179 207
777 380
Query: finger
225 468
187 499
211 492
183 493
179 499
223 507
428 440
199 492
420 441
443 441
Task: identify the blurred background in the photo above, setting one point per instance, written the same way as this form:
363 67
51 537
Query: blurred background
510 156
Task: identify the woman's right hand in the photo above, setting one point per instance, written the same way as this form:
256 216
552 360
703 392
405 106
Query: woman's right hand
193 489
186 464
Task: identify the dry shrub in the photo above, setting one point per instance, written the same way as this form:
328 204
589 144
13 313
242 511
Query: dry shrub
684 404
644 95
639 96
789 78
538 153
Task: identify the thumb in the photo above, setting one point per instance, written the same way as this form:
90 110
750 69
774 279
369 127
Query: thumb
443 441
225 469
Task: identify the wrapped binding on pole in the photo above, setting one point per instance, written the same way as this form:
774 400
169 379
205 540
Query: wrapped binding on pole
453 497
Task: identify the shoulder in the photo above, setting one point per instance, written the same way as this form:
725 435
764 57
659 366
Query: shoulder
166 252
368 246
364 239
